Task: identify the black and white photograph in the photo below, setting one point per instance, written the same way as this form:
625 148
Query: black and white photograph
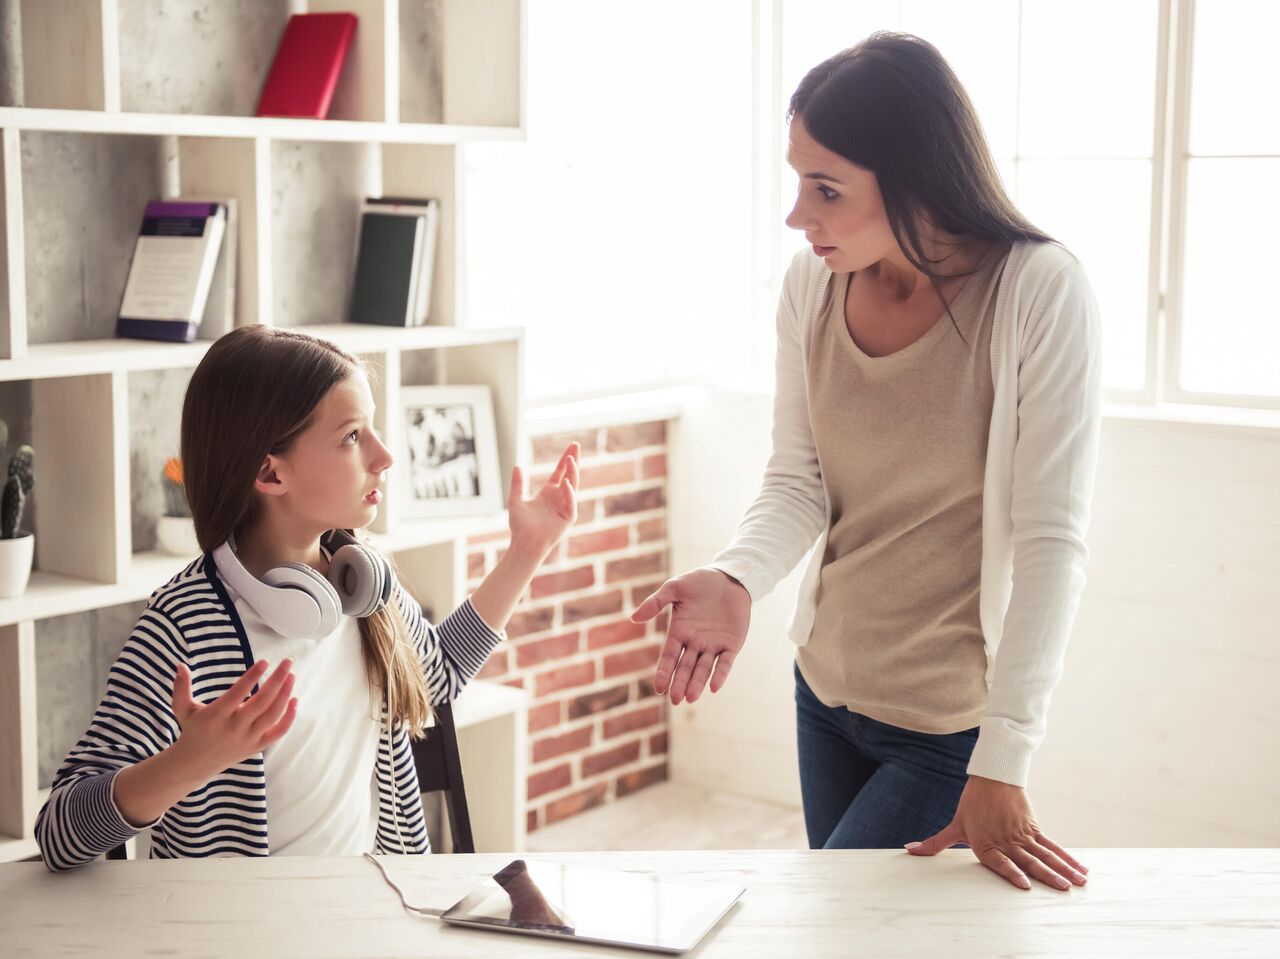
449 452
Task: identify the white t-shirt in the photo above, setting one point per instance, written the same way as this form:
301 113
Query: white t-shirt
322 795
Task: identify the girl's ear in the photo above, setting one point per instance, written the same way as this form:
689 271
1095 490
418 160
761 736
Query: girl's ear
269 480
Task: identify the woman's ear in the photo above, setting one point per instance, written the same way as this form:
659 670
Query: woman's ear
270 479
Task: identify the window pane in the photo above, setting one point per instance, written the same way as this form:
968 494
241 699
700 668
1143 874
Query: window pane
619 234
1101 211
1088 78
1234 63
1230 321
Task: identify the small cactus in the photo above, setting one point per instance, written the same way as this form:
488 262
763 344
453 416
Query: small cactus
175 497
20 466
11 505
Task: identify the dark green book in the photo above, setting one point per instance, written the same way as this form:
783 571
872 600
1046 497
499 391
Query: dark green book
387 264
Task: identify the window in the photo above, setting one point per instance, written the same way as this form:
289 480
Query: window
620 233
1072 134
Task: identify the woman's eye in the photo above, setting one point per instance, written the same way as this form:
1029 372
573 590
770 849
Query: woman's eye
353 436
827 193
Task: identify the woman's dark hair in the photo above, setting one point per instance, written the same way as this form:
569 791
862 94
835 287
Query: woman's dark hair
253 393
891 104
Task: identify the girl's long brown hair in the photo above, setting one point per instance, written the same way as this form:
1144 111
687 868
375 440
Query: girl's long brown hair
254 392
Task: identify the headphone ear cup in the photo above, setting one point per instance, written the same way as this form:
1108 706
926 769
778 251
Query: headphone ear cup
361 578
303 578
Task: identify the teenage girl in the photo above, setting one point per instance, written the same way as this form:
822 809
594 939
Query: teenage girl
197 736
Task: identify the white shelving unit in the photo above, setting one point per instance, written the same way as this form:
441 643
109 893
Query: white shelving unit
79 389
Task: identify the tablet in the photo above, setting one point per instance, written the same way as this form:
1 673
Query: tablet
595 905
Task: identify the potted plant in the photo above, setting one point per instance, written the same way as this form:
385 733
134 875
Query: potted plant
17 546
175 530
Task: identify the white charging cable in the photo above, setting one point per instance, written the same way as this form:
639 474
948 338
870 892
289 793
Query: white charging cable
416 910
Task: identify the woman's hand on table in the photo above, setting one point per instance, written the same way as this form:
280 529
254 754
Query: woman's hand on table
996 821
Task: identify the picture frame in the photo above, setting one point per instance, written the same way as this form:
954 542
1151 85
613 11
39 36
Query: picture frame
448 456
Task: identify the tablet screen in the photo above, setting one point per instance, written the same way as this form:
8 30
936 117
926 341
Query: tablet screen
595 905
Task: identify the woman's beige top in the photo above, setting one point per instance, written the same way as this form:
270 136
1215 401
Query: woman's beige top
903 440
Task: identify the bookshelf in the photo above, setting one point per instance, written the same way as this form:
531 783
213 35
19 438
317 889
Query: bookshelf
109 118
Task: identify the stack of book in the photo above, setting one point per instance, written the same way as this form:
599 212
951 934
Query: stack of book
395 261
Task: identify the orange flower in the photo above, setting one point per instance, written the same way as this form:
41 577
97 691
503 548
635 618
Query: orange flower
173 470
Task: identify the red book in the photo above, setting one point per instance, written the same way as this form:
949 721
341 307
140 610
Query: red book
308 61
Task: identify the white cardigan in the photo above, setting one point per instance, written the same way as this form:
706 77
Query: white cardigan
1041 458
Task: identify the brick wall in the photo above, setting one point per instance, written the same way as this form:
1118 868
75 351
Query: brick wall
597 731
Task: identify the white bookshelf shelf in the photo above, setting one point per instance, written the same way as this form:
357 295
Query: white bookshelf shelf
75 173
91 357
272 128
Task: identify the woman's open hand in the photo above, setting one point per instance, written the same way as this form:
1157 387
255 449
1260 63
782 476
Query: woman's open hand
710 613
996 821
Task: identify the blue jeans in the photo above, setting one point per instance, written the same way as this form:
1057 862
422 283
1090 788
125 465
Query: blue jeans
868 785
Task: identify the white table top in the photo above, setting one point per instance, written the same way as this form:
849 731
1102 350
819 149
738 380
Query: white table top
1139 902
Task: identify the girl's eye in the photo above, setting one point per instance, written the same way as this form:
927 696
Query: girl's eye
827 192
353 436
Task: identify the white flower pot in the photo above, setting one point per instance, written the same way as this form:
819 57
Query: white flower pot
16 556
176 535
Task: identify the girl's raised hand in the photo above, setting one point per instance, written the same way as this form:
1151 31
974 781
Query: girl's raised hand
537 524
238 724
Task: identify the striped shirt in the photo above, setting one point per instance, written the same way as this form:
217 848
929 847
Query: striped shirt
192 620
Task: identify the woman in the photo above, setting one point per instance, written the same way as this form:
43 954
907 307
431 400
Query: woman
934 442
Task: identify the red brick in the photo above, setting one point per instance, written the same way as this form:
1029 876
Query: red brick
629 722
652 530
495 665
634 566
613 633
636 435
610 759
531 821
602 541
589 607
644 687
642 499
549 780
658 744
517 683
598 702
575 803
544 716
475 565
607 474
531 621
549 747
654 466
632 661
549 449
569 580
639 592
587 511
564 677
540 651
631 782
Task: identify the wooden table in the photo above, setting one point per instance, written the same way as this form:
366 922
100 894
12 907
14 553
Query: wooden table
1139 902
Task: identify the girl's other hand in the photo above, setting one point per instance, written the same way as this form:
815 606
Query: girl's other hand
238 724
537 524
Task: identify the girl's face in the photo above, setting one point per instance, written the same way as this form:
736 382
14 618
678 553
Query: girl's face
332 475
838 206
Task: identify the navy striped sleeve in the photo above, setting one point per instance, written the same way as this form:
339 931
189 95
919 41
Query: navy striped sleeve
451 652
80 820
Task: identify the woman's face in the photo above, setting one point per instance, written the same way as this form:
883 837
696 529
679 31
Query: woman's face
838 206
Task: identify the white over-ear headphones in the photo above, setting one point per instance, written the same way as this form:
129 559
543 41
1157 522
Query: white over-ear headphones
299 602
